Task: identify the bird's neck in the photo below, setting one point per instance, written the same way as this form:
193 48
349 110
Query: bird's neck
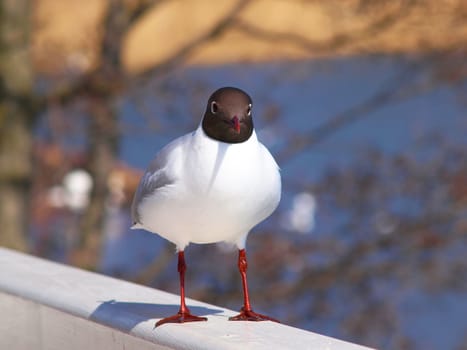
251 140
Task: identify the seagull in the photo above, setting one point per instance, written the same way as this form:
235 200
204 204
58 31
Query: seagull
211 185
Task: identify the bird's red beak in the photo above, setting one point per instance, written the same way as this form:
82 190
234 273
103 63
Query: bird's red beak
236 124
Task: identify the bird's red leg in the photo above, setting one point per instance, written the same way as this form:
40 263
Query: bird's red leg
246 313
183 314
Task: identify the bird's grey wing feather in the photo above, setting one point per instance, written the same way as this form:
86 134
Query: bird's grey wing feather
155 177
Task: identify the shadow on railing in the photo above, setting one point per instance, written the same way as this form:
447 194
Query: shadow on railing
134 313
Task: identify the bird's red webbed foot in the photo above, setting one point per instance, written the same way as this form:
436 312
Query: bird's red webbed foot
246 313
183 314
181 317
250 315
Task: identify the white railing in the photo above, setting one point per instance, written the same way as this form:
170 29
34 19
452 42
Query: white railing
47 306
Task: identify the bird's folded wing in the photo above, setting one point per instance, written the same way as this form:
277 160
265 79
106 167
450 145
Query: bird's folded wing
156 177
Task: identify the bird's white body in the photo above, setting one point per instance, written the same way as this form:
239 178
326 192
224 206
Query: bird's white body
208 191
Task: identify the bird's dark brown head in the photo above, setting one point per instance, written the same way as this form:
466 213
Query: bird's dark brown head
228 116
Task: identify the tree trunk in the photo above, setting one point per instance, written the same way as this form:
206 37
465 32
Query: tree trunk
102 150
105 83
16 119
102 133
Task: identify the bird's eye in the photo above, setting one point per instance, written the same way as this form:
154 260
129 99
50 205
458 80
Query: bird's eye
214 107
248 111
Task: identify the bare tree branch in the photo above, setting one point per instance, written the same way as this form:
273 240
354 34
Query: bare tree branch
330 45
142 8
118 20
183 53
397 89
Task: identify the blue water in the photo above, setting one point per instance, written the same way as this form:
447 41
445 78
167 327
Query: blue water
302 96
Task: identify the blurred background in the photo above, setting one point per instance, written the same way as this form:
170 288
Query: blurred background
363 104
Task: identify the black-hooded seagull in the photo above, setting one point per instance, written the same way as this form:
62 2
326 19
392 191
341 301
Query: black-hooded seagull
212 185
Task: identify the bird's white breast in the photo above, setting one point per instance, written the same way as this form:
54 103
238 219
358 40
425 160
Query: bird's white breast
220 191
